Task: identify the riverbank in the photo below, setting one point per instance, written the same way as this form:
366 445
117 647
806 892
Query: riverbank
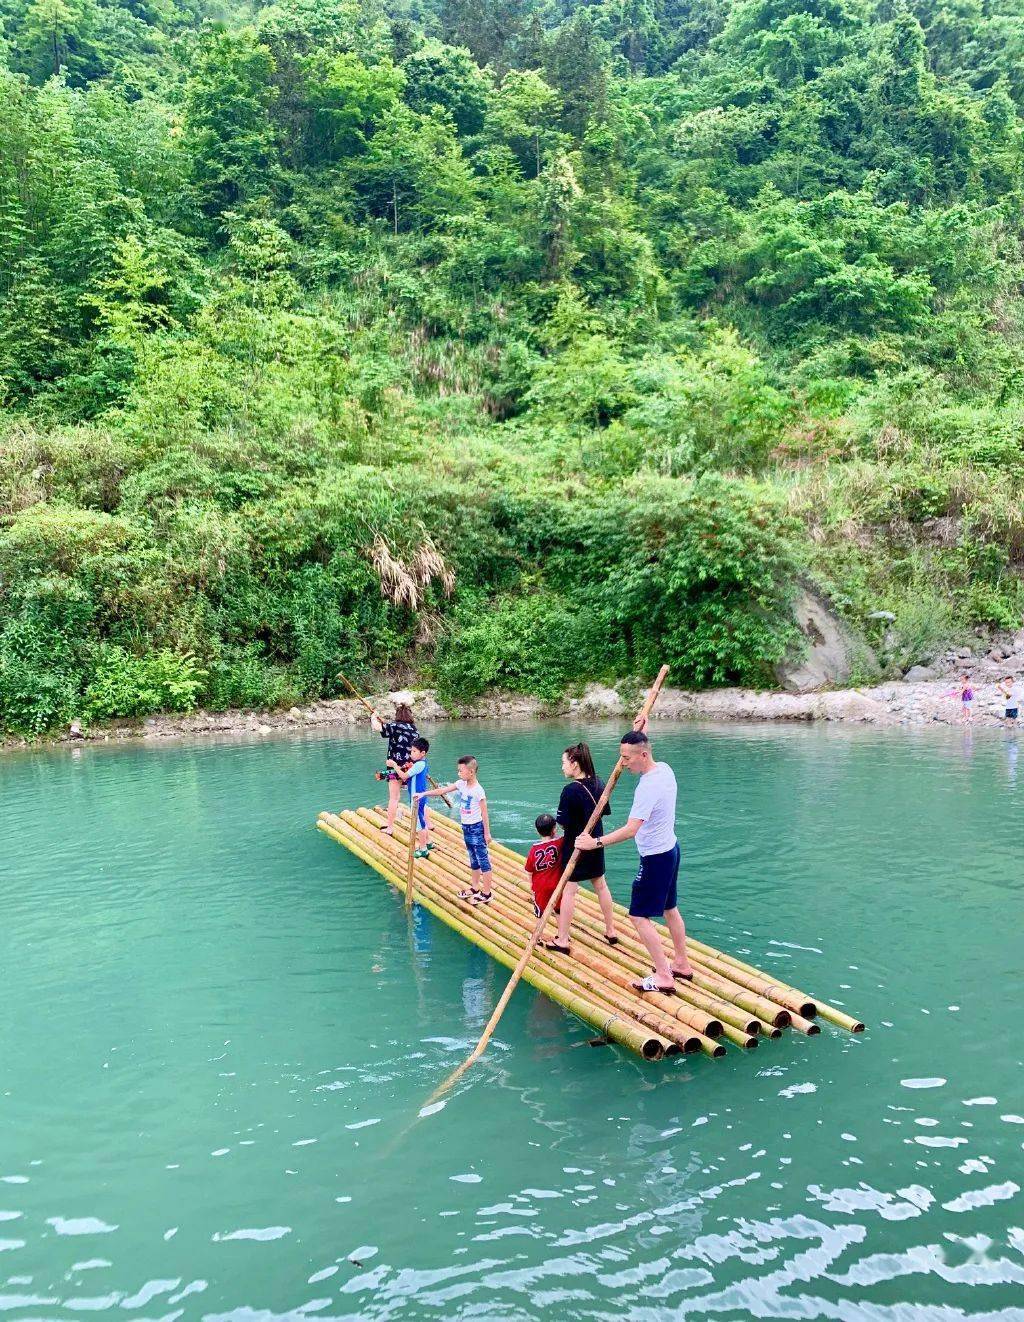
895 703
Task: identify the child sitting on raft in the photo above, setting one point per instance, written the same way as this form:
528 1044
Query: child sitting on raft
399 733
544 863
415 776
476 827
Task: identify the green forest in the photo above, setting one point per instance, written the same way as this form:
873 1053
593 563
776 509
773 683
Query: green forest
499 343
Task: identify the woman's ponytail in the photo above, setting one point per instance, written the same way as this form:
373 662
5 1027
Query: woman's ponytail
580 754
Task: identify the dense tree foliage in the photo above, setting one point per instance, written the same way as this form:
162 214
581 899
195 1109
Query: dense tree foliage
498 343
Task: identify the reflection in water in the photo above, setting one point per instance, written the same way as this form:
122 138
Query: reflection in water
422 929
475 987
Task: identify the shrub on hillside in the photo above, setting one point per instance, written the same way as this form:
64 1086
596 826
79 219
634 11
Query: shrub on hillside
696 574
127 685
535 644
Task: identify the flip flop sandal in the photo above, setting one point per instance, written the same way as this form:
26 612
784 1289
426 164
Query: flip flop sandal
555 947
648 984
612 940
421 853
481 897
682 977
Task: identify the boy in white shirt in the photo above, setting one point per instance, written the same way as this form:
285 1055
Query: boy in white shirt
476 827
1013 695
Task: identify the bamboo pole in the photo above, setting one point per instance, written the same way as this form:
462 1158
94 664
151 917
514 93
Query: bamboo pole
829 1012
706 982
374 712
410 866
502 922
752 992
601 960
567 873
634 957
840 1018
649 1045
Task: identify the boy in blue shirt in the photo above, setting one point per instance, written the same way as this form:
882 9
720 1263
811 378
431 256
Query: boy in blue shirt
415 777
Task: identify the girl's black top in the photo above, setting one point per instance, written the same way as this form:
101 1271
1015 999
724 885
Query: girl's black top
577 802
399 735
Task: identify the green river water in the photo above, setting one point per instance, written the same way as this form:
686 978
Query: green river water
218 1029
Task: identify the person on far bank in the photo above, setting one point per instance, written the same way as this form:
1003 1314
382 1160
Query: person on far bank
1012 691
965 691
652 825
476 827
399 733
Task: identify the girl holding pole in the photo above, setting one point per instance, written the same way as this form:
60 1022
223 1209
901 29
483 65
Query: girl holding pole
400 734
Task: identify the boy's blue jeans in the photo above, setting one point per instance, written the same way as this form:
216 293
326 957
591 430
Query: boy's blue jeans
476 847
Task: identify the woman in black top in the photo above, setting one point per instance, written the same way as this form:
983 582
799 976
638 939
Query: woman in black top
399 733
578 801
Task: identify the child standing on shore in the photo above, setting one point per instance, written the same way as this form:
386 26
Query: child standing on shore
476 828
544 862
966 694
415 776
1013 695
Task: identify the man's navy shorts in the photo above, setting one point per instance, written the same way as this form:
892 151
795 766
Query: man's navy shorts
654 890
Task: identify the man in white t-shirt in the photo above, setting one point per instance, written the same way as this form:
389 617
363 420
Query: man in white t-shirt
652 824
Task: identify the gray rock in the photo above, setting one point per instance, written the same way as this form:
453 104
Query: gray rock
832 650
962 653
919 674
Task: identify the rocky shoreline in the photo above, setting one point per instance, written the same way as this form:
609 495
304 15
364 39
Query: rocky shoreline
900 702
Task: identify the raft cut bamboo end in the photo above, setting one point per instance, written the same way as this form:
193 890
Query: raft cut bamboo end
728 1002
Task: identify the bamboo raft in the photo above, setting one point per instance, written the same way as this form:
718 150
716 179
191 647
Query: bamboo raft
727 1001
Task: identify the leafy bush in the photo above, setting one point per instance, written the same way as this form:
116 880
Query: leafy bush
924 623
128 685
533 644
241 677
714 408
699 575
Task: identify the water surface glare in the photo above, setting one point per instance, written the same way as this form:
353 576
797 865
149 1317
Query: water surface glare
218 1029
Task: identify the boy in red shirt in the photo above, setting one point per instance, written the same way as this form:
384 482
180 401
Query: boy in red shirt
544 862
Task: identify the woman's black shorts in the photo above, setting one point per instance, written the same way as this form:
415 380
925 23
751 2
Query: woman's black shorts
589 865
